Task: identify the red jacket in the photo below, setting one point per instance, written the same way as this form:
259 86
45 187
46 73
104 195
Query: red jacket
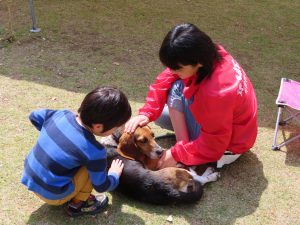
224 105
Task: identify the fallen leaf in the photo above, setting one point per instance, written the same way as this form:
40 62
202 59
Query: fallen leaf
170 219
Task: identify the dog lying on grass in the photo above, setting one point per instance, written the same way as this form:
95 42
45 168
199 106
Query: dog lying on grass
140 179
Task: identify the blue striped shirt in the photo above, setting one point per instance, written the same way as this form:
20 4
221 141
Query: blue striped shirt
63 146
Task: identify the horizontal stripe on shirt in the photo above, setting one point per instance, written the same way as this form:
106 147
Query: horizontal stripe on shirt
62 148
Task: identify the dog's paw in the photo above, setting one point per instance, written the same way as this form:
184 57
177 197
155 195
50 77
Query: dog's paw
192 171
208 171
213 176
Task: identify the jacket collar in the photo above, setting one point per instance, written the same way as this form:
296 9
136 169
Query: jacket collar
190 87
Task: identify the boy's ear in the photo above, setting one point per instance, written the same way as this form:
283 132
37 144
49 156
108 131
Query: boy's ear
98 127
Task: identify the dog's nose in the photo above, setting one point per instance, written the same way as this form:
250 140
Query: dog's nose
159 152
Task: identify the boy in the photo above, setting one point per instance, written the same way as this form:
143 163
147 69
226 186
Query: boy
67 162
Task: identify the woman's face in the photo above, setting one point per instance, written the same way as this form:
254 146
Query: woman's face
186 71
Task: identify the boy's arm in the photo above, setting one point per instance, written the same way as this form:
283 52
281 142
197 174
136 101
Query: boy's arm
38 117
101 180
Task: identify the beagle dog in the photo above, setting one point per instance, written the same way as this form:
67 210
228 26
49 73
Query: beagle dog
142 181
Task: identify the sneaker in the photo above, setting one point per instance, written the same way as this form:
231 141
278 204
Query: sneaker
93 205
227 158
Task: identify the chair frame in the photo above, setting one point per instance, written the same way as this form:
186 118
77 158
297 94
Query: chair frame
283 122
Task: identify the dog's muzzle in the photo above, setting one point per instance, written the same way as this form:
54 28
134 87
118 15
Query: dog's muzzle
156 152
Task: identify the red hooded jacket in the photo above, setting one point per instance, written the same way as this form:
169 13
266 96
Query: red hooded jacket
224 105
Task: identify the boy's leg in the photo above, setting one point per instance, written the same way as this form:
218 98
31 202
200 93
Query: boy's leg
83 185
83 202
83 189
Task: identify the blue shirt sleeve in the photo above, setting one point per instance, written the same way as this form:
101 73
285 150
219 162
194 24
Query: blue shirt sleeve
103 181
38 117
97 167
114 180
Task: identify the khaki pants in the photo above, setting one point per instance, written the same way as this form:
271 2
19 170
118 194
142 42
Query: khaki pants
83 189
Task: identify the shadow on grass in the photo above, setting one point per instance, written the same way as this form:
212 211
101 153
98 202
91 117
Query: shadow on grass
293 153
285 133
293 148
236 194
47 214
77 70
243 183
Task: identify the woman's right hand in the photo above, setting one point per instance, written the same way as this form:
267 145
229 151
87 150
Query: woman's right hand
134 122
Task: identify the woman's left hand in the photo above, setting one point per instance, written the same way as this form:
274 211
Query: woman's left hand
166 160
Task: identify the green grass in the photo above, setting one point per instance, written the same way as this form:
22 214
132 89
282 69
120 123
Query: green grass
78 49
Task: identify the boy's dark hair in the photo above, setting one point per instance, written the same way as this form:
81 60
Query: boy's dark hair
106 105
185 44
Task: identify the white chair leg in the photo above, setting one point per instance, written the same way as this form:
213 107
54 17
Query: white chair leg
275 146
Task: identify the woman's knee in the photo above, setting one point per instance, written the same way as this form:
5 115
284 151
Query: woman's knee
176 89
175 96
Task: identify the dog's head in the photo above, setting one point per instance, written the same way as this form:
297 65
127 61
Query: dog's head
140 146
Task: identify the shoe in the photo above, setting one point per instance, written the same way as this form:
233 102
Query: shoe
93 205
227 158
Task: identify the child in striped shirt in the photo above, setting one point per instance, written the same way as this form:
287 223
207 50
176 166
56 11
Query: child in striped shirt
67 161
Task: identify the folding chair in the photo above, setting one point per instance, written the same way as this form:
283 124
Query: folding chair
288 99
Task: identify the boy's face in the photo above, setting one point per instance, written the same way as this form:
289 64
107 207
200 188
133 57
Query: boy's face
98 128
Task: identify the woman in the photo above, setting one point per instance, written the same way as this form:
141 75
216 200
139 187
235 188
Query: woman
211 101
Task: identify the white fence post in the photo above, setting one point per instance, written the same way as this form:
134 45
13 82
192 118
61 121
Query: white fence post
34 27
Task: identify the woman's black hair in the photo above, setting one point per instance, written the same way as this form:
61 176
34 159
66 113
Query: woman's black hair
105 105
184 45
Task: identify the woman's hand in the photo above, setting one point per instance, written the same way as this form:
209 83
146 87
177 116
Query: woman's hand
134 122
116 167
166 160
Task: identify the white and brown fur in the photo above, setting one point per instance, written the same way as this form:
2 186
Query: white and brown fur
140 179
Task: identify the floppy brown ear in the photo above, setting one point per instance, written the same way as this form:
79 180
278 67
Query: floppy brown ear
128 149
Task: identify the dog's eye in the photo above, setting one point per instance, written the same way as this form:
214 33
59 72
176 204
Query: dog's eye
142 140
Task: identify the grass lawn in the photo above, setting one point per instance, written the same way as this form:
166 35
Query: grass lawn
84 44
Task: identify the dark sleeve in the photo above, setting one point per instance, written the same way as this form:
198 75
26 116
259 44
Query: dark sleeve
102 180
38 117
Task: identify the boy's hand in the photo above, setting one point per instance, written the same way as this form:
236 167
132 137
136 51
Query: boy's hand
116 166
134 122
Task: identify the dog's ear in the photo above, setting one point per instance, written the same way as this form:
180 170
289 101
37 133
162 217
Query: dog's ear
128 149
117 134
